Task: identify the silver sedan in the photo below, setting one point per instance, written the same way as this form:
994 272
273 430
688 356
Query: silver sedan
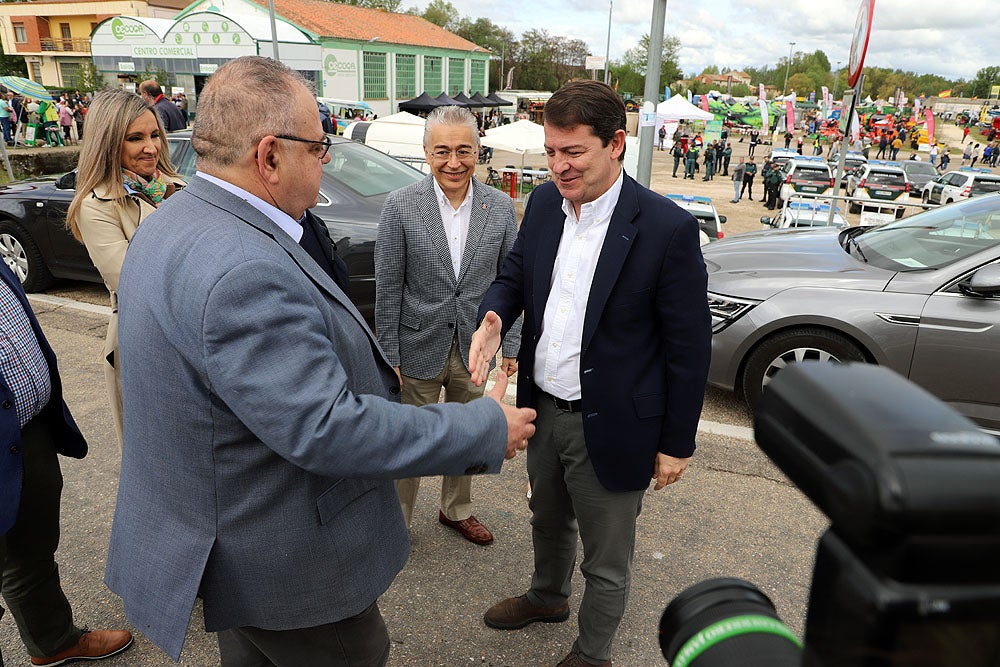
921 296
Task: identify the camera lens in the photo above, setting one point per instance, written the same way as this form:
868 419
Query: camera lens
724 622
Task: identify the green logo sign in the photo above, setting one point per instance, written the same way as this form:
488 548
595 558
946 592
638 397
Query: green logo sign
178 38
120 29
333 67
225 26
236 38
215 38
186 27
204 26
197 38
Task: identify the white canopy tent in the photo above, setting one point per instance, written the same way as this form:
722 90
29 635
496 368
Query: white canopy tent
523 137
678 108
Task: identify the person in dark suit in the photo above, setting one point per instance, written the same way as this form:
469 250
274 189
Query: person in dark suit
171 116
440 244
262 480
614 357
36 426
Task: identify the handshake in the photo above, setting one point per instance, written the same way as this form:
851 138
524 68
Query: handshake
483 350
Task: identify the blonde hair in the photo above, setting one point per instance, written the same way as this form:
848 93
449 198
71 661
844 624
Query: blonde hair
244 101
108 119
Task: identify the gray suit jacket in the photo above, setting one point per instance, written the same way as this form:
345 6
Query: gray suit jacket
262 431
419 304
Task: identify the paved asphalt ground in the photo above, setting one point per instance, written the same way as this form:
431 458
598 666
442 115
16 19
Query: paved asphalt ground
733 514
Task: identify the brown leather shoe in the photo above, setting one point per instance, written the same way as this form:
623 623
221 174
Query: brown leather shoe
470 529
514 613
93 645
573 659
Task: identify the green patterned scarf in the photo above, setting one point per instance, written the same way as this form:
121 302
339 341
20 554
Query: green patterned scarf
155 188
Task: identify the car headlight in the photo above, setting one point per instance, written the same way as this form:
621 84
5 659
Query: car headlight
727 309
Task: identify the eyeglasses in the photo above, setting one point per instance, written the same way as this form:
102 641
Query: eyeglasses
326 143
461 154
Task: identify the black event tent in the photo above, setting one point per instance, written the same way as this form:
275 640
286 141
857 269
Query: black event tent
444 100
423 102
479 101
501 102
462 99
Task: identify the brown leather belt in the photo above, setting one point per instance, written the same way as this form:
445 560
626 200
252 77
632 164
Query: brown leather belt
563 404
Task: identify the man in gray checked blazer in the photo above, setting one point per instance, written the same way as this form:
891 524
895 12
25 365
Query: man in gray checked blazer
441 242
262 425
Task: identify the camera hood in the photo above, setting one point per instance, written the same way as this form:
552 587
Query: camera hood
887 462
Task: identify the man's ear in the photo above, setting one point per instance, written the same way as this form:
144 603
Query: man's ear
267 158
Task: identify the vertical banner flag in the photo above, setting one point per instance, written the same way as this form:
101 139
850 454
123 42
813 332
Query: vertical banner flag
916 109
689 95
855 127
826 100
704 103
790 115
760 93
930 126
764 115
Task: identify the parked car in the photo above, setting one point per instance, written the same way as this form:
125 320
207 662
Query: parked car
852 161
920 295
804 214
709 220
805 175
35 244
782 155
918 173
879 182
959 184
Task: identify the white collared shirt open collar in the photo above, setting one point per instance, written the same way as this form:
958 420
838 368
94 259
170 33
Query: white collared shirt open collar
456 223
557 357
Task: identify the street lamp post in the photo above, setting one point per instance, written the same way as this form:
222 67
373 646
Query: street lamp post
607 51
788 66
836 80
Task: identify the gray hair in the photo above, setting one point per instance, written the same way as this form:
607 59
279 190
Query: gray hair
451 115
242 103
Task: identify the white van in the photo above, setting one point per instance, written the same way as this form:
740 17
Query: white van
346 112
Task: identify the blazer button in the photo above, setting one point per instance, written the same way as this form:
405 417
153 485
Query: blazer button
451 325
14 450
5 405
393 390
458 292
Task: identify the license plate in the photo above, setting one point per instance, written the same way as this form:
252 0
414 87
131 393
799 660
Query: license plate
809 188
883 193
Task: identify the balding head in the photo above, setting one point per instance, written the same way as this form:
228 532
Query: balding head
150 90
244 101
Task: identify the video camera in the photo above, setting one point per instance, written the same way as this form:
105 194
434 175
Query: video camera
908 573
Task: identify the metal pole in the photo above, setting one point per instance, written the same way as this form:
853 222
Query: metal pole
274 28
788 66
836 82
849 103
607 51
6 162
645 166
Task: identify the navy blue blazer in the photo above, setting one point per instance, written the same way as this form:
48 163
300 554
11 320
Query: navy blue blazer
647 332
69 441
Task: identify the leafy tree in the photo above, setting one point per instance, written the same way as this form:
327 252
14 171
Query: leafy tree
12 65
985 79
711 69
498 40
630 71
801 83
90 79
387 5
441 13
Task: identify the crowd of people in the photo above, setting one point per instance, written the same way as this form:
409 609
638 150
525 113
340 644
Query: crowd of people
275 479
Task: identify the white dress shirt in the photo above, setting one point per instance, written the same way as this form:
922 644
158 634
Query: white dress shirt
280 218
456 223
557 356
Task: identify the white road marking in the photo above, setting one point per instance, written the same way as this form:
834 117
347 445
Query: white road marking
70 303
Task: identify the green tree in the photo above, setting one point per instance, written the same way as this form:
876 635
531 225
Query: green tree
441 13
90 79
12 65
630 71
496 39
985 79
387 5
801 83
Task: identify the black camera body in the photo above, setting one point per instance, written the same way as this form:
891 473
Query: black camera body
909 572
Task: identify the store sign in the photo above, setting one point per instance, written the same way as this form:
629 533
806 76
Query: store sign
340 63
126 67
207 68
121 29
163 51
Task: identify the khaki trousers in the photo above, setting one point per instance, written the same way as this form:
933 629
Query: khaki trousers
456 492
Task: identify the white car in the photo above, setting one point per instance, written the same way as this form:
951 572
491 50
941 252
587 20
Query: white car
805 175
804 214
881 183
960 184
709 221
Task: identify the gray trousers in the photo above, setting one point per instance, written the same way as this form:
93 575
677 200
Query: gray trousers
29 577
567 500
456 492
359 641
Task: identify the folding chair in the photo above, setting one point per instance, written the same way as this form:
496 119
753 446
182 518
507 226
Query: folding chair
493 177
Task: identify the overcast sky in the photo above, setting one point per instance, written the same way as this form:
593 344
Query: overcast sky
913 35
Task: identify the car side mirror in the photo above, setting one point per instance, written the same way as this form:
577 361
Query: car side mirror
764 220
722 219
67 181
983 283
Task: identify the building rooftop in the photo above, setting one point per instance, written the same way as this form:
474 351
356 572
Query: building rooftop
328 19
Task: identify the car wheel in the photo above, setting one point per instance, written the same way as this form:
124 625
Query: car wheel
854 207
926 198
22 256
950 201
776 352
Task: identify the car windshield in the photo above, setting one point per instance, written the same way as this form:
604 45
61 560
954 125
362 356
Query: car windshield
914 167
935 238
811 174
982 186
367 171
885 178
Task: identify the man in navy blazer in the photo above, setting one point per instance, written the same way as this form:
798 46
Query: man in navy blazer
262 429
614 356
35 426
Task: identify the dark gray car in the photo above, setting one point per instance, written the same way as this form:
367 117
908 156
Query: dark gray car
918 173
921 296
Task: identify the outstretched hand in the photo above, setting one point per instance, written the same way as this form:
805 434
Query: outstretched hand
519 420
483 349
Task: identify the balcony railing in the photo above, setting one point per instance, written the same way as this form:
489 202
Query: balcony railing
75 44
